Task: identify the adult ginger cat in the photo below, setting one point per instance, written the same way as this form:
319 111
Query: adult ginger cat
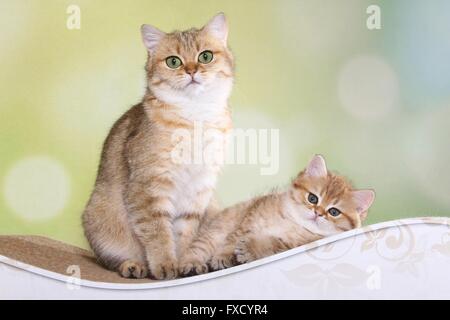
145 207
318 203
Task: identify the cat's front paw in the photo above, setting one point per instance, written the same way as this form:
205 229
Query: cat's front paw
222 261
133 269
243 254
192 267
166 270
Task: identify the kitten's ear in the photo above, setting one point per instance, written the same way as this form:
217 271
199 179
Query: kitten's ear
363 199
316 167
151 37
218 27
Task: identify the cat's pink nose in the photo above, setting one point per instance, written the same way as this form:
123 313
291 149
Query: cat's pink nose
191 70
318 213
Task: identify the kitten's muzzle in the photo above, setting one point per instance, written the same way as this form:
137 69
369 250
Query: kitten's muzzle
191 69
319 212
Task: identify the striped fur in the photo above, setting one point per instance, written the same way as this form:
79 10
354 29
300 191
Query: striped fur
145 208
278 221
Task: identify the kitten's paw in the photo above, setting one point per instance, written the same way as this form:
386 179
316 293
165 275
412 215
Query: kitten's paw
133 269
222 261
243 255
192 268
165 271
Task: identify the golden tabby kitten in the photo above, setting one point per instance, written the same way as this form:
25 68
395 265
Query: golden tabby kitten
145 207
318 203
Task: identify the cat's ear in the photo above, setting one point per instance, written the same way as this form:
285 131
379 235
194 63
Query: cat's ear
151 37
363 200
218 27
316 167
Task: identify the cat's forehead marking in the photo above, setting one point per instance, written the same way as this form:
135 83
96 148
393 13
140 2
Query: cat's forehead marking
187 39
186 43
335 188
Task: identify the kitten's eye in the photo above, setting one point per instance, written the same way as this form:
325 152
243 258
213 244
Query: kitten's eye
334 212
313 198
205 57
173 62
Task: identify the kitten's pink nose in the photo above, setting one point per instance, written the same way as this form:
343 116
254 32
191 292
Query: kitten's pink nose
318 213
191 72
191 69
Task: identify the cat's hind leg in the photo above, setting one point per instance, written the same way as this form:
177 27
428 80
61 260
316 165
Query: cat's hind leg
250 248
110 237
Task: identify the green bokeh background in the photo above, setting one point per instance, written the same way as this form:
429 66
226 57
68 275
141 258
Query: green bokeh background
61 90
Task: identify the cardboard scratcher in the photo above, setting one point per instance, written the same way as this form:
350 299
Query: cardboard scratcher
58 257
391 259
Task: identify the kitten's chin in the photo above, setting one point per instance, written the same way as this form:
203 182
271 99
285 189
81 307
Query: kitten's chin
318 226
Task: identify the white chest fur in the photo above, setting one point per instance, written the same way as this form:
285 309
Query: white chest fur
194 185
195 177
206 109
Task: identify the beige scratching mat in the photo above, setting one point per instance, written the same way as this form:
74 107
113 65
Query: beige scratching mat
58 257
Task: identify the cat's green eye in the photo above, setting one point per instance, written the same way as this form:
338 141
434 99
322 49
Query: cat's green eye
173 62
205 57
334 212
313 198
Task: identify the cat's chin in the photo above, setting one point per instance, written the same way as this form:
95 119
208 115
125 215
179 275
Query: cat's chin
215 92
193 84
193 89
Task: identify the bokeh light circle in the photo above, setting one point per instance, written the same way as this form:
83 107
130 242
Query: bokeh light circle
428 154
368 87
37 188
316 29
